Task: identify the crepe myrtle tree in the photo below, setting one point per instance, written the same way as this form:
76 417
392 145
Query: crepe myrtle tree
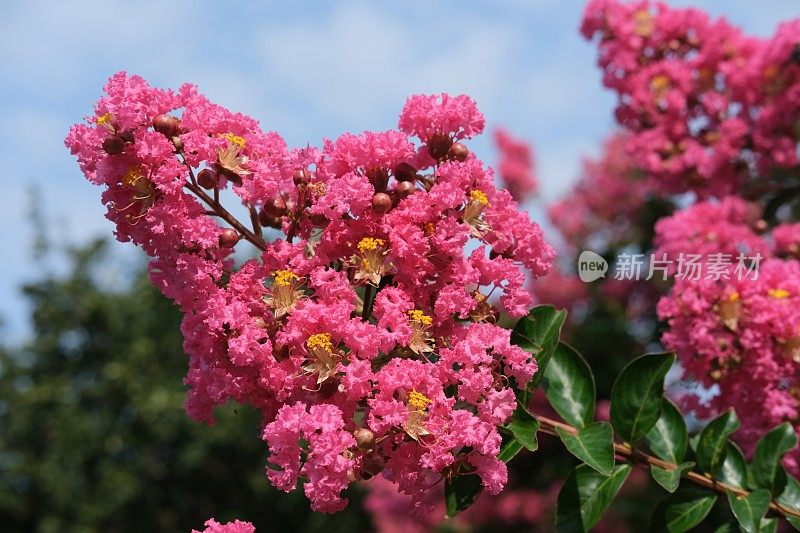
367 330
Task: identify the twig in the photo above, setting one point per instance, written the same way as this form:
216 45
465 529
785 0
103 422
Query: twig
637 457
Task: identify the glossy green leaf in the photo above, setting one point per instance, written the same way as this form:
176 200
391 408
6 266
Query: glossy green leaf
637 393
750 509
766 465
711 446
509 448
670 479
728 527
668 437
790 498
538 334
768 525
586 495
461 492
593 444
682 510
524 427
569 385
734 468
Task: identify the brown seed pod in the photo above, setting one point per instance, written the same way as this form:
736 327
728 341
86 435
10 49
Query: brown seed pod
405 172
438 145
113 145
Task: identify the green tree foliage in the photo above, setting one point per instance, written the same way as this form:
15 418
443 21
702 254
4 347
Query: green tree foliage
93 436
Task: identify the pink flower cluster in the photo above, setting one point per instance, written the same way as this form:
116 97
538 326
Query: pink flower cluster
516 165
603 205
708 108
729 226
744 336
741 333
237 526
366 334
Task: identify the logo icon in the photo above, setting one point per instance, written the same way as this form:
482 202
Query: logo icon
591 266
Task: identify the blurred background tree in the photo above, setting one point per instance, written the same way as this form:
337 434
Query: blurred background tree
93 436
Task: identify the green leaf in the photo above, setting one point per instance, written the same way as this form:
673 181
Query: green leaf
524 427
750 509
670 479
682 510
790 498
460 492
585 495
636 395
766 465
569 385
538 334
594 445
768 525
728 527
509 448
668 438
711 446
734 469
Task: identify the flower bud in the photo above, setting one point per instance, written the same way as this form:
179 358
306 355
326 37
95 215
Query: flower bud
329 387
280 352
113 145
167 125
405 188
127 136
372 465
761 226
405 172
268 221
275 207
228 238
458 152
301 176
207 178
319 220
381 202
177 142
438 145
365 439
378 177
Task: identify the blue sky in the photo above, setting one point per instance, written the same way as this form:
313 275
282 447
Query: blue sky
305 69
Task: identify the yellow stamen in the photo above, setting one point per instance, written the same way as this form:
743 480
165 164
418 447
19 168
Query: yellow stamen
320 341
779 294
133 175
284 278
418 401
479 197
643 23
370 244
418 316
734 297
659 84
235 139
104 119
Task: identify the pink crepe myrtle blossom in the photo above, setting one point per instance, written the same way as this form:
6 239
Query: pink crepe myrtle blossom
742 335
516 165
708 108
237 526
366 333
